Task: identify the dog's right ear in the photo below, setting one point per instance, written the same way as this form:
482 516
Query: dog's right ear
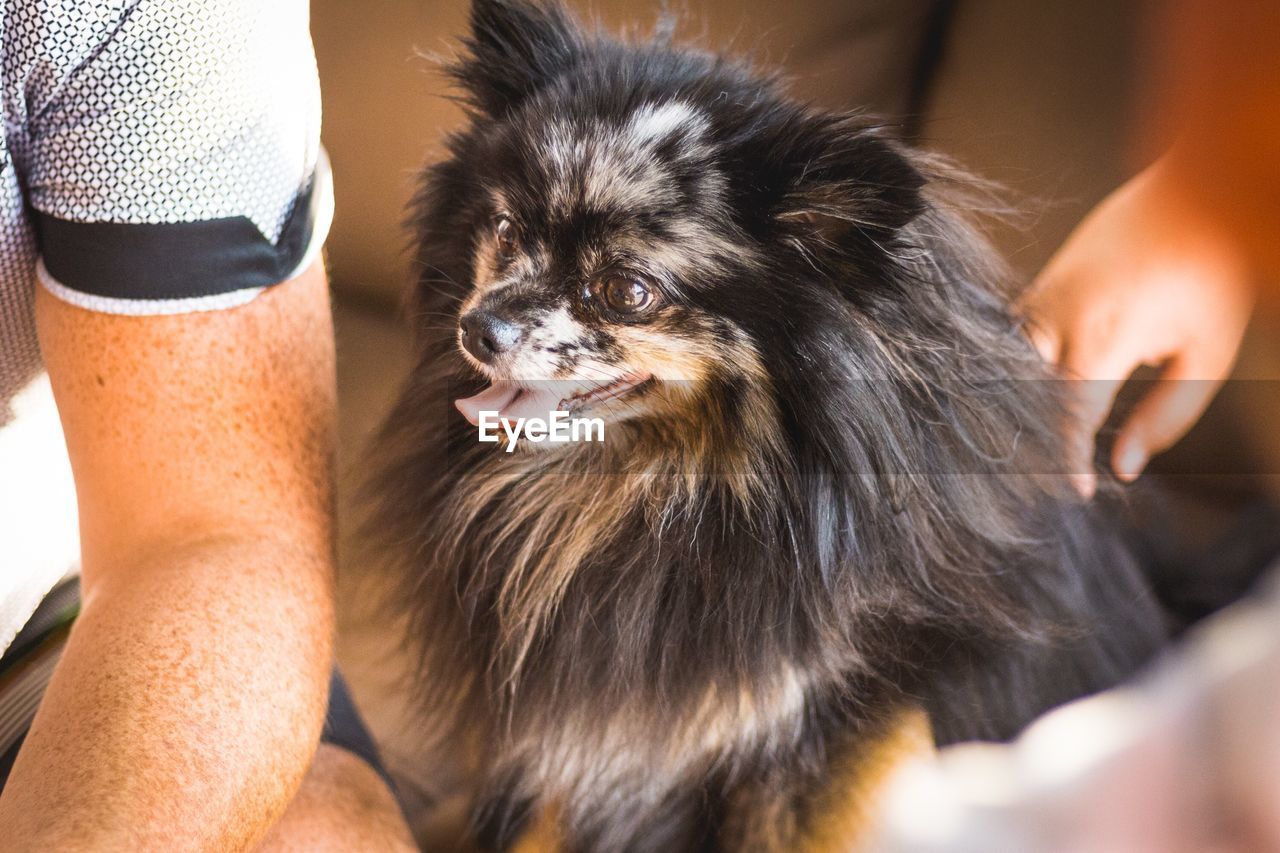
516 47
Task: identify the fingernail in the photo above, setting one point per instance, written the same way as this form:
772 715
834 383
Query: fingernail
1130 462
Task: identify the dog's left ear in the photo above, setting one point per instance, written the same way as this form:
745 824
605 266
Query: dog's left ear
515 48
848 185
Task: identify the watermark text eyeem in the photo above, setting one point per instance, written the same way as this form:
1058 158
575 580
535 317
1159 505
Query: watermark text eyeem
560 429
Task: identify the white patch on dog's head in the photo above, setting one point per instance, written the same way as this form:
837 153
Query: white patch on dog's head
654 123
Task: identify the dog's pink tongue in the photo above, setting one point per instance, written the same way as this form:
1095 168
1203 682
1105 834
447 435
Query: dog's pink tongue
495 398
512 402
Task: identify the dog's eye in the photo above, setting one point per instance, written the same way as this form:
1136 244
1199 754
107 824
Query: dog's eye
626 294
508 238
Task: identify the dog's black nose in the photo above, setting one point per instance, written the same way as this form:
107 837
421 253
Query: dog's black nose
487 336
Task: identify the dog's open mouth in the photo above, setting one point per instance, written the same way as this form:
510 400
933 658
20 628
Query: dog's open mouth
513 400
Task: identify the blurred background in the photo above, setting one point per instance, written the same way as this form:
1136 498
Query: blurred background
1040 97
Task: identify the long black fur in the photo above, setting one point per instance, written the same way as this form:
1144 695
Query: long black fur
914 541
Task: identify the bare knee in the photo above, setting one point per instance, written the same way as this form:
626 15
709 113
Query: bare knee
342 805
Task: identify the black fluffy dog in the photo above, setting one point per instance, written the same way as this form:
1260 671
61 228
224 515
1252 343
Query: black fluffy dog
830 494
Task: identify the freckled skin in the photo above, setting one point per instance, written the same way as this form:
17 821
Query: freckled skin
189 701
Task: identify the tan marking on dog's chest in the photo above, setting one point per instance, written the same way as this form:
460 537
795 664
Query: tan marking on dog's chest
851 801
544 834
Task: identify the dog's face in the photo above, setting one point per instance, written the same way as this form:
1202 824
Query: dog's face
651 235
594 236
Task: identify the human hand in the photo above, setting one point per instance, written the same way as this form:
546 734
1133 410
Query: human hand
1148 278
